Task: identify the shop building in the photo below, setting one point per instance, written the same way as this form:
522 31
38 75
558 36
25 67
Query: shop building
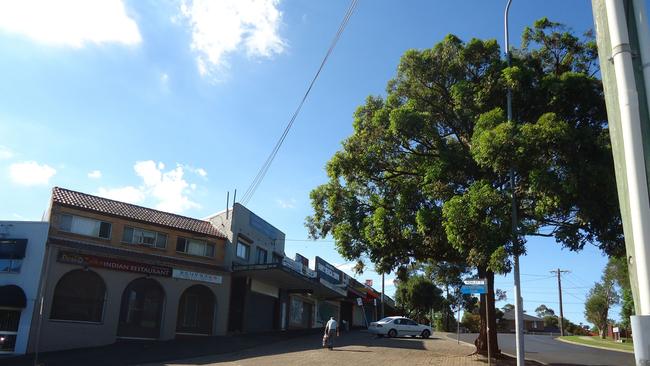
116 270
22 247
268 291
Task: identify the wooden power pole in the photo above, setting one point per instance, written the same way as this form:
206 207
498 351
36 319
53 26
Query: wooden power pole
559 289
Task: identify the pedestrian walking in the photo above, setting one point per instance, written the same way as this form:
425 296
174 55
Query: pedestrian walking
331 331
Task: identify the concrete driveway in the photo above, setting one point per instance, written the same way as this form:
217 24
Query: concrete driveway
548 350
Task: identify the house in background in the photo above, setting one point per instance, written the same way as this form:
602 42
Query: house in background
22 248
531 323
116 270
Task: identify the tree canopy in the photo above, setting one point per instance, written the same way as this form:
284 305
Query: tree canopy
424 176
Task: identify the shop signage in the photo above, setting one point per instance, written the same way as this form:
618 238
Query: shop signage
359 301
303 260
196 276
262 226
333 287
328 272
298 267
114 264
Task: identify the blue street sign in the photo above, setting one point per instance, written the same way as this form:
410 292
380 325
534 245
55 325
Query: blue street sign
474 287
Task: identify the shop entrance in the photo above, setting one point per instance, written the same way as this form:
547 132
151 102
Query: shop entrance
195 311
141 309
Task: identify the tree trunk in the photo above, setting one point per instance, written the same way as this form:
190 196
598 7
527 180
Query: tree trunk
487 300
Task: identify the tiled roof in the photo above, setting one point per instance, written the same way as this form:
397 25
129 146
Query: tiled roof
510 315
126 210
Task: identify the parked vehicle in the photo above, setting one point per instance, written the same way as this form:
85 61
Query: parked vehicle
396 326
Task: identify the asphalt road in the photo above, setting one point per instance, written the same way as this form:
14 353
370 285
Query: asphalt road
548 350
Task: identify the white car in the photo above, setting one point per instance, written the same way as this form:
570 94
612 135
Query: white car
395 326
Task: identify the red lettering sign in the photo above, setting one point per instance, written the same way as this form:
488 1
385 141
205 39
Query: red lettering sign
114 264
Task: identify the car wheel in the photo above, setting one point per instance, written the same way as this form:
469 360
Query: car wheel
426 333
392 333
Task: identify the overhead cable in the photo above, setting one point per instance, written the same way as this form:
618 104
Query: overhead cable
267 164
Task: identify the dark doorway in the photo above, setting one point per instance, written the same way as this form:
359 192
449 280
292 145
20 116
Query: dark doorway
238 291
346 313
195 311
141 309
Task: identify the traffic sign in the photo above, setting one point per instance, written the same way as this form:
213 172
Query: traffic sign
475 281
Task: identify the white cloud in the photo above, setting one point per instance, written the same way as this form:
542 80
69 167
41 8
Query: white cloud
127 194
5 153
201 172
70 22
168 189
30 173
222 27
290 203
95 174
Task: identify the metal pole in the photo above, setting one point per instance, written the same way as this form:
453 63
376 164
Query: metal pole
382 296
487 329
519 334
559 288
458 325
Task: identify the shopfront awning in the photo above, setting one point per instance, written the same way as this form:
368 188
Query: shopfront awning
285 278
12 296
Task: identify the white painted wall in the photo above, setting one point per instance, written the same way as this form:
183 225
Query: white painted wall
30 273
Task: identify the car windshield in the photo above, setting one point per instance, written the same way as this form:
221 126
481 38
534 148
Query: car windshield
386 320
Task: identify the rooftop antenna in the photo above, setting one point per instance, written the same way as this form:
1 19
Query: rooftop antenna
234 199
227 203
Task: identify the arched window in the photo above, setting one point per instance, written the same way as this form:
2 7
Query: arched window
79 295
141 310
195 311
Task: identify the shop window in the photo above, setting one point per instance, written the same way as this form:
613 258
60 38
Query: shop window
85 226
195 247
261 256
9 319
243 250
79 295
154 239
196 311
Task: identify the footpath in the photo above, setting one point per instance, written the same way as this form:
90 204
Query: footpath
141 352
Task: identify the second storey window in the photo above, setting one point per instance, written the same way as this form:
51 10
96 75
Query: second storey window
243 250
261 256
145 237
195 247
85 226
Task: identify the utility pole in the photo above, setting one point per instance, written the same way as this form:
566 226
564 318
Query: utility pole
382 296
624 53
519 313
559 288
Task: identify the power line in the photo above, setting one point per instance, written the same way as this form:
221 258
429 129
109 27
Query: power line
267 164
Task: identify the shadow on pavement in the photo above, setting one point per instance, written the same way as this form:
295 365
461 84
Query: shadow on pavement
363 340
210 349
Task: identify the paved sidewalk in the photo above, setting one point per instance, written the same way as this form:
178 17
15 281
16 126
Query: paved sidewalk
355 348
140 352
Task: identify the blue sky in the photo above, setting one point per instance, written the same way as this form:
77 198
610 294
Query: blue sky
170 104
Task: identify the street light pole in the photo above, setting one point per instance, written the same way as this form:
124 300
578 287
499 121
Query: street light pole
519 339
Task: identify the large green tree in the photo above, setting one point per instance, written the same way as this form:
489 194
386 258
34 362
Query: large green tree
424 176
418 296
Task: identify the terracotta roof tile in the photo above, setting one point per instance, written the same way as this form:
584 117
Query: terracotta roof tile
126 210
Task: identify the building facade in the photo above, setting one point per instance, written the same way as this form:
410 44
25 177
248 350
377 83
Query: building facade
115 270
22 248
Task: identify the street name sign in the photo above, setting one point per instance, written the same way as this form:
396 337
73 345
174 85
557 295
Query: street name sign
474 286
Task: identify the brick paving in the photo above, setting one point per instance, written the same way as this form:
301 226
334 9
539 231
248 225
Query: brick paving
355 348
